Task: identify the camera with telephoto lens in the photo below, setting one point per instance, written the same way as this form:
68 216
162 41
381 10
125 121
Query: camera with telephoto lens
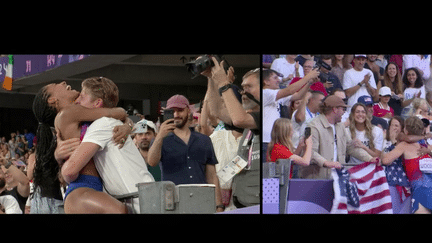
204 62
318 64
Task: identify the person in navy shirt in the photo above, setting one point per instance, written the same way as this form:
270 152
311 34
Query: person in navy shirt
185 156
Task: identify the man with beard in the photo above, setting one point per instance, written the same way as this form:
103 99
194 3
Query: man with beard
145 131
186 156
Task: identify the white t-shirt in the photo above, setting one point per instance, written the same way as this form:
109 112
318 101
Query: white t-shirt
299 128
282 66
378 135
410 93
351 79
271 111
10 205
120 169
335 144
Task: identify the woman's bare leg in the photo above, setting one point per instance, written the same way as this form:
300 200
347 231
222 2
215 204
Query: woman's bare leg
87 200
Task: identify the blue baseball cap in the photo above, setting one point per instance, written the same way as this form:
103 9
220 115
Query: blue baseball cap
365 100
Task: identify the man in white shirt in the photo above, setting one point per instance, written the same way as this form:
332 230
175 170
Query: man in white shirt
305 113
273 96
358 81
119 169
288 67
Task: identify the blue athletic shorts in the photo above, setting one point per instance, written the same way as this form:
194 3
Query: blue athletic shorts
85 181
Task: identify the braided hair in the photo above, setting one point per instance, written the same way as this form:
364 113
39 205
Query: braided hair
46 166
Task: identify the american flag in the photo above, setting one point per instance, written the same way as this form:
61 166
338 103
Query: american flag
362 189
396 177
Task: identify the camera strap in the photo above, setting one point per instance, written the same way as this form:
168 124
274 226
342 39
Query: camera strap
251 97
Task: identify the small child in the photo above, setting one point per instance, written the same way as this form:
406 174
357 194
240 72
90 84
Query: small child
382 109
280 146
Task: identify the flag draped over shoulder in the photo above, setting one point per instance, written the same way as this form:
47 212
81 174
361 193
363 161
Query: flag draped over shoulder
362 189
7 82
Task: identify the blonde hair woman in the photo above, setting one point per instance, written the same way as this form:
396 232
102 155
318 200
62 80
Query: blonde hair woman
280 146
363 133
419 108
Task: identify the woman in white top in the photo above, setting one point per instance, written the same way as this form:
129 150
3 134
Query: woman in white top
363 133
414 88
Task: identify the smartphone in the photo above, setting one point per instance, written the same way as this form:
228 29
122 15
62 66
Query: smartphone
307 132
168 114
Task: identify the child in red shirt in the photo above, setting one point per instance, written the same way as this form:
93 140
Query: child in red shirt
280 146
382 109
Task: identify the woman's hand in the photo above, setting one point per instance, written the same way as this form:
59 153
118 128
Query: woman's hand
65 148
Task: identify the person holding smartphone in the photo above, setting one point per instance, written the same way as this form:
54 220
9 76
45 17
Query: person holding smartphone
280 146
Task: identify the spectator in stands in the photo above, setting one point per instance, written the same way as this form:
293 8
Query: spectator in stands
377 121
273 96
341 94
318 86
280 146
20 148
13 182
396 126
307 110
332 82
393 80
340 64
363 134
419 108
414 88
382 108
288 67
331 141
358 81
186 156
377 71
145 131
29 137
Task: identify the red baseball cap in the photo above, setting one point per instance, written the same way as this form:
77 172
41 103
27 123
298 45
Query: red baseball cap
177 101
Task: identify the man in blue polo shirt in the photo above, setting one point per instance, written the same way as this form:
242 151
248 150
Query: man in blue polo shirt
186 156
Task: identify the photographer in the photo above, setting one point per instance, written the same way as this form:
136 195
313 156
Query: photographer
246 183
331 81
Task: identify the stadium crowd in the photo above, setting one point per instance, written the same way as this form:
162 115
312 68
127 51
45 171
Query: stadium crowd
356 107
38 177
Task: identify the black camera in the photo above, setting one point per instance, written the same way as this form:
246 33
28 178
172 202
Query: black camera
204 62
320 63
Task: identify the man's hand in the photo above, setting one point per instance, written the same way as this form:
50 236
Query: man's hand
219 76
366 78
332 164
65 148
166 127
